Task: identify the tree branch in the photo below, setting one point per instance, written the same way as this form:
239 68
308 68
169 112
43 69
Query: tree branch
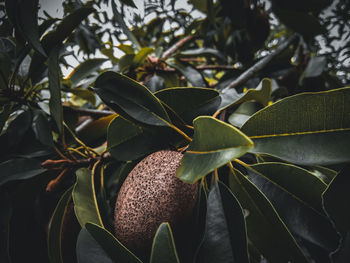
91 112
176 47
249 73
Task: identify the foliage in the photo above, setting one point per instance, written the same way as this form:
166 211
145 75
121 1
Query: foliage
257 102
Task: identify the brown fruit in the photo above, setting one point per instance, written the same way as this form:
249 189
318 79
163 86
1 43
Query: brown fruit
152 194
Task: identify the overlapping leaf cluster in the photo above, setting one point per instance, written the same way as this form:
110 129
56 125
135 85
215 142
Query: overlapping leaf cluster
262 120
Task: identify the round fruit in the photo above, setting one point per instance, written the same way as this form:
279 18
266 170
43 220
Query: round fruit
152 194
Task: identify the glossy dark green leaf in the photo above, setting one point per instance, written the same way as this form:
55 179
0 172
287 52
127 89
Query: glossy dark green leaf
96 129
243 113
296 195
84 198
15 132
125 62
113 248
308 128
55 228
163 247
141 55
203 52
315 67
85 69
55 89
295 181
325 174
89 251
225 237
155 83
208 151
342 255
265 228
191 74
5 71
4 115
19 169
56 37
129 141
42 129
301 5
301 22
262 94
189 103
10 6
5 217
66 27
130 99
334 200
27 19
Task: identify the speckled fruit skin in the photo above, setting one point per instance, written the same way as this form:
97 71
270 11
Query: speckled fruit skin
152 194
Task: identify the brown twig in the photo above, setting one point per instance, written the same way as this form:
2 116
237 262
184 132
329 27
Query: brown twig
67 166
91 112
215 67
176 47
62 164
249 73
53 184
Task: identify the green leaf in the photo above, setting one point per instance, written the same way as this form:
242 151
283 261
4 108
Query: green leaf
96 129
302 5
142 55
296 181
113 248
85 69
42 129
296 193
4 115
6 209
66 27
225 237
262 94
315 67
155 83
27 19
56 37
84 94
125 62
301 22
127 49
308 128
85 203
265 228
89 251
191 74
55 228
189 103
163 247
243 113
130 141
334 200
209 151
19 169
55 88
130 99
120 20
